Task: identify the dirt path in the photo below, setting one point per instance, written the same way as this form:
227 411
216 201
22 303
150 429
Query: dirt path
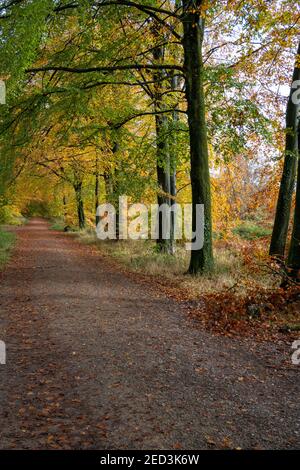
95 361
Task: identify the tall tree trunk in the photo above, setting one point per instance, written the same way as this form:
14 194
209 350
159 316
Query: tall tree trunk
163 179
193 30
287 185
294 251
108 185
173 161
162 144
65 208
96 188
79 202
115 189
173 193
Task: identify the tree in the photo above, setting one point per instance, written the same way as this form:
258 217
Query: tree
287 184
162 140
183 91
294 251
193 27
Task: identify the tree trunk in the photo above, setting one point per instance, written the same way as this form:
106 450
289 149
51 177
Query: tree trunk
163 179
173 161
173 193
115 189
65 208
108 185
193 29
79 203
96 189
162 145
294 252
287 185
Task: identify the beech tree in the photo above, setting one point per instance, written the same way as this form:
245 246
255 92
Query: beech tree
183 69
294 251
193 27
192 19
287 184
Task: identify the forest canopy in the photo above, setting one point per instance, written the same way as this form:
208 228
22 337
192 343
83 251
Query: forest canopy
185 101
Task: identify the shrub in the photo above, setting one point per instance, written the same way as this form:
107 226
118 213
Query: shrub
249 231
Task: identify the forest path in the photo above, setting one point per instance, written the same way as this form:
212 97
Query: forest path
96 361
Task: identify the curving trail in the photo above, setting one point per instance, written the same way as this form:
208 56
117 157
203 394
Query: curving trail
95 361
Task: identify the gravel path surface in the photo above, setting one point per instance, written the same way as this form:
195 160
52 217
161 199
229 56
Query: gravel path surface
97 361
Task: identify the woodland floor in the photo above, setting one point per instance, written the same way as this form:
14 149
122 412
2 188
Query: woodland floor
97 360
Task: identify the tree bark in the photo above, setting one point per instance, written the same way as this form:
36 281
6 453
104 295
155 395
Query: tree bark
97 219
65 208
115 189
163 178
162 144
173 162
294 251
193 30
79 202
108 185
287 184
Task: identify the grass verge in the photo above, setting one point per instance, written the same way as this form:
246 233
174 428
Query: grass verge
240 266
242 295
7 241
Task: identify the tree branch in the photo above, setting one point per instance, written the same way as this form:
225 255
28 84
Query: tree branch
53 68
145 8
147 113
